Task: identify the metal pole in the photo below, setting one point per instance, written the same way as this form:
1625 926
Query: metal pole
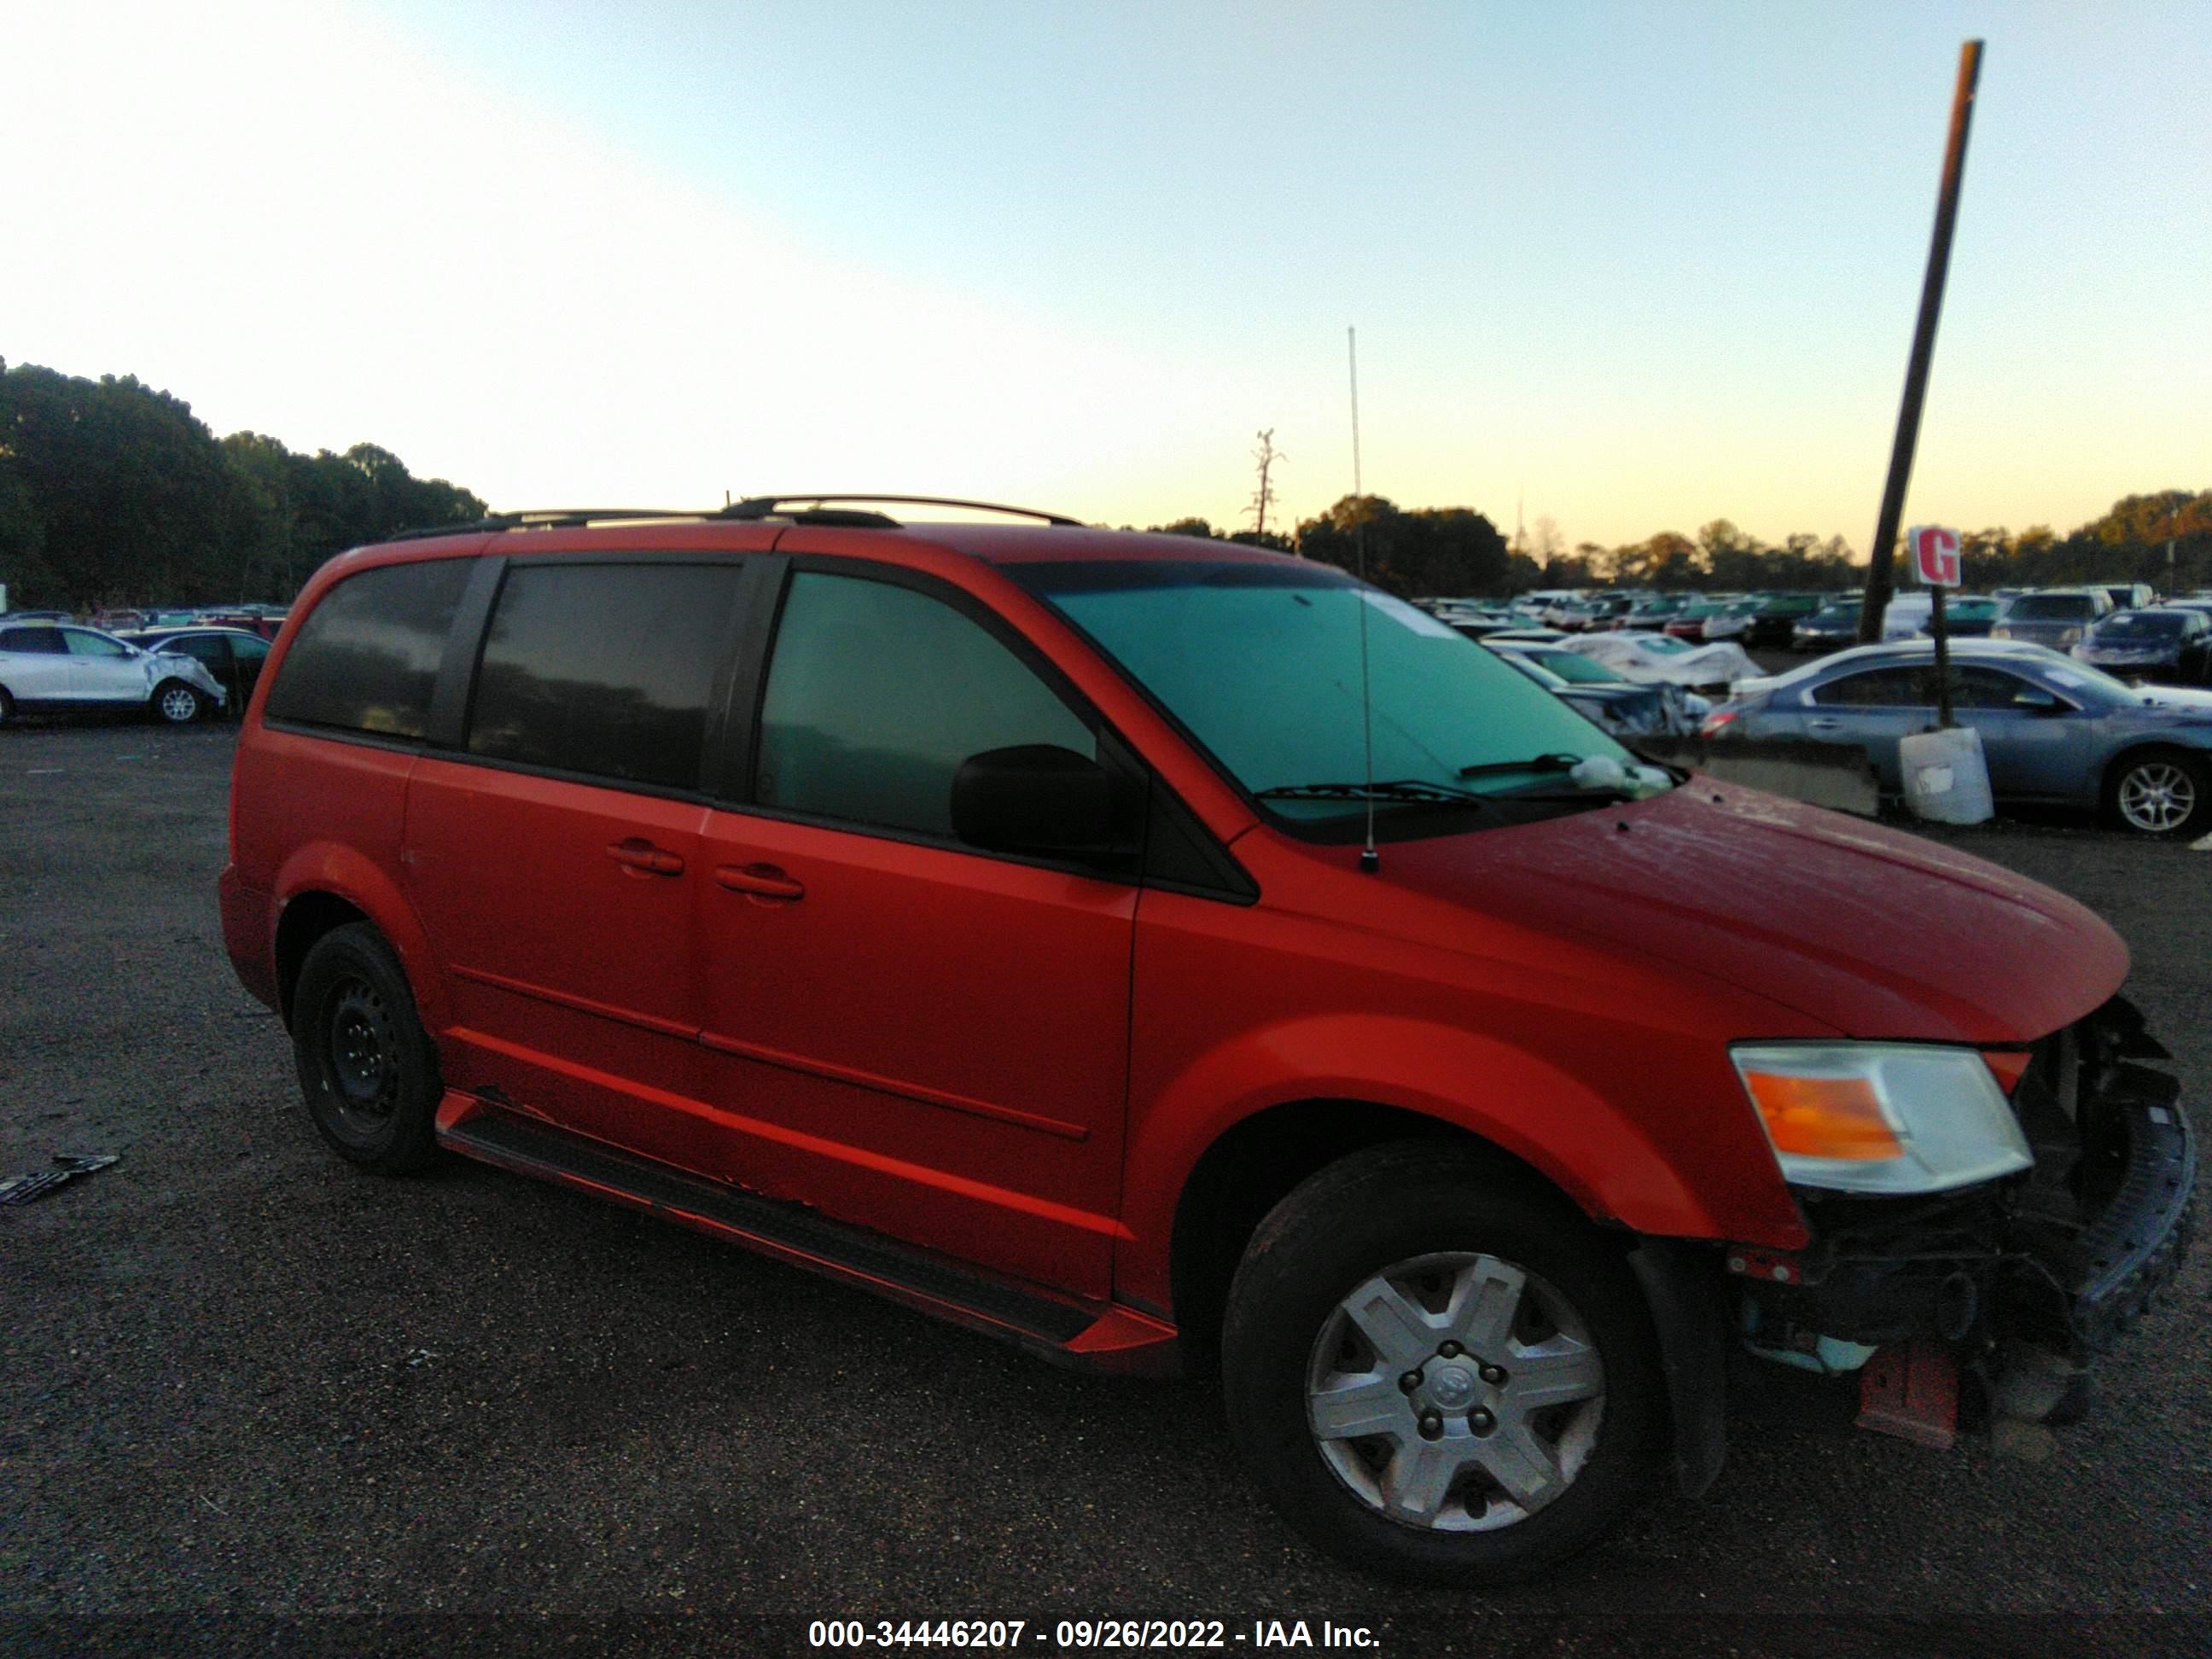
1943 721
1881 581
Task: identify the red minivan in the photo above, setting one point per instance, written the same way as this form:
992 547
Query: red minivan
1164 953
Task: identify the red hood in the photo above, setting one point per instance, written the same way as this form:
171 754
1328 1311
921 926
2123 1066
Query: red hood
1868 931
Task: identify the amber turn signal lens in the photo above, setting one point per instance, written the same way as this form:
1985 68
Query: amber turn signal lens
1823 1116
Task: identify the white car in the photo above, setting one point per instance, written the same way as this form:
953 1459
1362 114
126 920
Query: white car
1659 658
59 667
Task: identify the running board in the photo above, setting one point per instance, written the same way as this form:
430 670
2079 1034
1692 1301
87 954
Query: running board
1114 1339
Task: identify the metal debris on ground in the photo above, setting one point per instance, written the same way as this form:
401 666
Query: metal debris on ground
22 1188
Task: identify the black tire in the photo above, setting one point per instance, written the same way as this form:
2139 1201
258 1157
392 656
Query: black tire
7 706
175 703
1290 1336
367 1067
2165 792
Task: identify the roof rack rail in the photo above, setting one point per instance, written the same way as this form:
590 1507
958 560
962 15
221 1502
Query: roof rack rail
550 518
767 506
752 507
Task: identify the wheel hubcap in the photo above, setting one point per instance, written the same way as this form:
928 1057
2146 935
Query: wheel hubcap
179 705
1455 1393
363 1067
2157 797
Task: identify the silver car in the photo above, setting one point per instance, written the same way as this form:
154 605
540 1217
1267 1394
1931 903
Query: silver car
59 667
2056 617
2052 730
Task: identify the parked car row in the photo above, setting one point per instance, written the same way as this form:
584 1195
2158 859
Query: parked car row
264 620
61 667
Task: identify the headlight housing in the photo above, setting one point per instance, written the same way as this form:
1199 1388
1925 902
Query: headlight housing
2000 633
1881 1117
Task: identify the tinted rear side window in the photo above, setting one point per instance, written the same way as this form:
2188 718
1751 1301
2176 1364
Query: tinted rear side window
46 641
604 669
1880 688
367 657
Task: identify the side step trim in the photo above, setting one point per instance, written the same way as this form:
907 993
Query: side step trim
790 1231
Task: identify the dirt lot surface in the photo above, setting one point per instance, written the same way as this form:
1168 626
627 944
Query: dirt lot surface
240 1382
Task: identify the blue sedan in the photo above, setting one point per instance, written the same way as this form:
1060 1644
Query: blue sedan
2053 730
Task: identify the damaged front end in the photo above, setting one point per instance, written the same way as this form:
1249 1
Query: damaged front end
2022 1282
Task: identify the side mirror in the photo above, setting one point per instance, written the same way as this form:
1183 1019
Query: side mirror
1040 798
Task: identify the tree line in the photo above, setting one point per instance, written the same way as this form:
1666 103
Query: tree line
114 493
2163 538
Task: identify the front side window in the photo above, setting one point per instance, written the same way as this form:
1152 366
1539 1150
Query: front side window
1973 686
604 669
83 644
208 647
877 693
366 658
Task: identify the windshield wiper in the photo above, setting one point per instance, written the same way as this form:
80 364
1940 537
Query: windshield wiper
1555 761
1394 789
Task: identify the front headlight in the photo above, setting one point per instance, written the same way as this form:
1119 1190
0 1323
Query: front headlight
2000 633
1881 1117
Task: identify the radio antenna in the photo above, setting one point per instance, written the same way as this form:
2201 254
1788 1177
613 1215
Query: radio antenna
1370 862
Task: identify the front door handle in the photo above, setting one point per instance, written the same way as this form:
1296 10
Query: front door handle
761 880
641 855
1824 725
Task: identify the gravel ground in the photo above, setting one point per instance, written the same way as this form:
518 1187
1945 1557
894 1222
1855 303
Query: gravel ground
243 1385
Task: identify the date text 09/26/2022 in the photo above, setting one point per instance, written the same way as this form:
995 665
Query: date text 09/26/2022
1079 1634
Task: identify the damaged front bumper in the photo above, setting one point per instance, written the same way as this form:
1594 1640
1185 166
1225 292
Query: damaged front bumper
2024 1282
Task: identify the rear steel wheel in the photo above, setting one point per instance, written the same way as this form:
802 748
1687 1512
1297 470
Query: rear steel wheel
367 1067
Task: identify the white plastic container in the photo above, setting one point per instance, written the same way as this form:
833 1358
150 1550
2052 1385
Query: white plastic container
1947 780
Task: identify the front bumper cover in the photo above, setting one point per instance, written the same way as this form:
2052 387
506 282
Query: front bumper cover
2063 1257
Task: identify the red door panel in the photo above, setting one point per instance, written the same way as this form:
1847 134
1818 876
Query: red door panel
927 1042
563 912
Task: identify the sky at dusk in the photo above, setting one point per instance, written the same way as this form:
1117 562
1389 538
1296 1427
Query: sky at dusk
1636 266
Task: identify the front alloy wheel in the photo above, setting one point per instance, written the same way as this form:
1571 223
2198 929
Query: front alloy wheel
1456 1391
2160 794
178 703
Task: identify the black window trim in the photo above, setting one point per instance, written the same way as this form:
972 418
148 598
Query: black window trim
1115 751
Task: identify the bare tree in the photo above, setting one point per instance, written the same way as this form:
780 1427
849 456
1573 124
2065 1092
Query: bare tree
1264 497
1549 544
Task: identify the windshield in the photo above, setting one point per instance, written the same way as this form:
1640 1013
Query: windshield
1260 662
1579 669
2143 624
2049 607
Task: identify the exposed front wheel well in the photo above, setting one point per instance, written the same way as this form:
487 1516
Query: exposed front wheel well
306 920
1250 1170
